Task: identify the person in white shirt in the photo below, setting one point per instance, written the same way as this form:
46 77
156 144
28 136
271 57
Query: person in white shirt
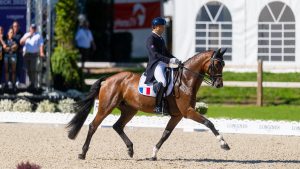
84 42
33 47
21 70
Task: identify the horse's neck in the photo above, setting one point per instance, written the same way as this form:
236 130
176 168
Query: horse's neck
190 78
197 62
196 65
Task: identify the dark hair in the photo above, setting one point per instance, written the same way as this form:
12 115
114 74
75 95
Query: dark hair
15 21
10 29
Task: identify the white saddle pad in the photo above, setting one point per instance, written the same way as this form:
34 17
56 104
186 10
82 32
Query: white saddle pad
147 89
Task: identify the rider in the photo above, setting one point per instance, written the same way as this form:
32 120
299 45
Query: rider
159 58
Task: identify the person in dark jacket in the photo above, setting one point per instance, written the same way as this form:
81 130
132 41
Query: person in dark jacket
10 59
2 43
159 58
21 70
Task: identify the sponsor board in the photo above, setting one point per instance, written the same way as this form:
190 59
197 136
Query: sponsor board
11 10
135 15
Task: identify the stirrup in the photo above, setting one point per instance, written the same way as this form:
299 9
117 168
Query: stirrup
162 110
158 110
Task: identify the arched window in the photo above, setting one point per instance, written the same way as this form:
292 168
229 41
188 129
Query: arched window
276 33
214 28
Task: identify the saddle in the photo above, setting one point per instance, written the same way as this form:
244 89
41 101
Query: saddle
149 89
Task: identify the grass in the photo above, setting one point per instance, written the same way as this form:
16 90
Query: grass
268 77
276 113
247 95
283 112
140 113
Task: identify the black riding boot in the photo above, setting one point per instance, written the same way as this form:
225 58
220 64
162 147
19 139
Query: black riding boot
159 98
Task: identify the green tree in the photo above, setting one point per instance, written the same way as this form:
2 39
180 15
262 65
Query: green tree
66 73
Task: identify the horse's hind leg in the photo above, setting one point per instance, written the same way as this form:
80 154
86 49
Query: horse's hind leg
126 116
92 129
85 147
105 108
192 114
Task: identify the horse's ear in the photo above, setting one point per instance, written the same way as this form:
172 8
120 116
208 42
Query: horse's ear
218 53
222 53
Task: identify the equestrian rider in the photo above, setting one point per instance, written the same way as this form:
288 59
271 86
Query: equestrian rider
159 58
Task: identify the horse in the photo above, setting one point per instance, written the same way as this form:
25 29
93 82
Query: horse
121 91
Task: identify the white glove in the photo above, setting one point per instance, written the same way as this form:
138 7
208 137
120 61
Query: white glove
174 61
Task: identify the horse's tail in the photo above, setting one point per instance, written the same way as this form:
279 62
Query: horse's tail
83 108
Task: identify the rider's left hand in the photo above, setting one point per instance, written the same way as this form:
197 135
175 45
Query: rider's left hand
175 61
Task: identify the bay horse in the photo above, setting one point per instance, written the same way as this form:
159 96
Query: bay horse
121 91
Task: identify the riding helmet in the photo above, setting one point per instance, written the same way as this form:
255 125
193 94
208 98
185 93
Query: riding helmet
158 21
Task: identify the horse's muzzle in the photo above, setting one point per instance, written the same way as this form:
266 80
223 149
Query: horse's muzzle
218 83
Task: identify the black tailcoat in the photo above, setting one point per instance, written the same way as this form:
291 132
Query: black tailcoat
157 51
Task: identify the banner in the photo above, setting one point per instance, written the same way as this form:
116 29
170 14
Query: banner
12 10
135 15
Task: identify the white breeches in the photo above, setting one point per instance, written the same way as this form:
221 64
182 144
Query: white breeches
160 74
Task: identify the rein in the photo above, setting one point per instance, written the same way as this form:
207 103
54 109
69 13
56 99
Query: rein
206 78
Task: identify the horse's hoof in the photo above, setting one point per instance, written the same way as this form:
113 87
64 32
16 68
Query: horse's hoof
225 147
130 152
153 158
81 156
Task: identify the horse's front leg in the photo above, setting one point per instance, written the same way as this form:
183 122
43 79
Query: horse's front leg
168 130
194 115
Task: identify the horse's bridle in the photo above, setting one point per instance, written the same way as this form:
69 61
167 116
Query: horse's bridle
212 69
209 79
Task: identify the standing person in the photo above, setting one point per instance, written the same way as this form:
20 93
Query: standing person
84 41
1 54
33 47
159 57
10 59
20 71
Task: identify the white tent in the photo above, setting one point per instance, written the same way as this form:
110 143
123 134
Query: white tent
250 30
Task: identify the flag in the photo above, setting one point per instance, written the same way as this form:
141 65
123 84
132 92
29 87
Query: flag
141 89
147 90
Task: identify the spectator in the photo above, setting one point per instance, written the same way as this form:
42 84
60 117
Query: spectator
1 54
10 59
33 47
84 41
20 70
2 37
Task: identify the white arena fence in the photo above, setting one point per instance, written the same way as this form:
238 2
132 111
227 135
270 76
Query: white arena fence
223 125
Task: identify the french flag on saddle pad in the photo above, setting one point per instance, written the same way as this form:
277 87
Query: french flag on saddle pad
145 90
